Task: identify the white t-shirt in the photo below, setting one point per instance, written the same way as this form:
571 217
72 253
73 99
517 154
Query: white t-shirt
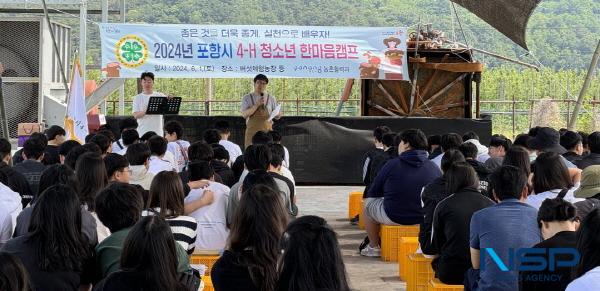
158 165
536 200
179 149
589 281
234 150
286 157
121 152
211 219
148 122
116 148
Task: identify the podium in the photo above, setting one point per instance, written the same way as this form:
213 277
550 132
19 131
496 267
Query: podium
163 106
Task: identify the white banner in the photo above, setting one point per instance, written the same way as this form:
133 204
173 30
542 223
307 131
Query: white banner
234 51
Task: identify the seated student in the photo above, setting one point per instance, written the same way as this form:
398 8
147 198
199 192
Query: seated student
234 150
16 181
572 142
65 148
469 150
211 136
277 151
588 190
212 229
433 146
250 260
482 151
128 137
449 141
220 164
499 145
55 253
587 272
158 148
149 261
311 257
129 123
56 136
77 151
31 168
138 156
119 207
378 133
117 168
198 151
522 140
432 194
277 139
13 275
558 222
18 157
510 224
259 138
518 156
550 180
394 196
58 175
177 146
168 155
254 177
91 175
451 218
547 139
103 142
593 158
10 207
390 151
284 184
166 200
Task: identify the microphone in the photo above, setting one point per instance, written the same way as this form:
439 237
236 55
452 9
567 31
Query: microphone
262 94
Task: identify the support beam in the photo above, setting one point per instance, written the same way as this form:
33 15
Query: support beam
444 90
51 11
586 85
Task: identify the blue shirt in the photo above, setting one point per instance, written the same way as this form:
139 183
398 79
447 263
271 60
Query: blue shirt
400 182
508 224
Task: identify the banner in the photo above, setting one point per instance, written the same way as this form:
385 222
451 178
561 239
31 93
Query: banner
76 124
239 51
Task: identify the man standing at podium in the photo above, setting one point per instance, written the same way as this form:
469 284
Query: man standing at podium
257 107
151 122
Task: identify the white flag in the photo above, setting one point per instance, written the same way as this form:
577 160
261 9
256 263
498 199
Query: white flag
76 124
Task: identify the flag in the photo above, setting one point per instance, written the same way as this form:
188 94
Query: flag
76 124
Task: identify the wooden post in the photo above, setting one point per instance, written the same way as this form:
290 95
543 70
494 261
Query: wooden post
586 85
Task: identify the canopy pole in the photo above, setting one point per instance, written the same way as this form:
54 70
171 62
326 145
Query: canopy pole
585 87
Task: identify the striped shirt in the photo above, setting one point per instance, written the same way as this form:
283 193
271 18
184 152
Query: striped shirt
183 228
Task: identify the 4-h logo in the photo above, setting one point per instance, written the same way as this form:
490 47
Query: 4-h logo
132 51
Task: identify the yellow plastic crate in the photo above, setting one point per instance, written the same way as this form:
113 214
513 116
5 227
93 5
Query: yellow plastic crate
361 218
436 285
390 237
407 245
204 259
355 204
208 286
419 273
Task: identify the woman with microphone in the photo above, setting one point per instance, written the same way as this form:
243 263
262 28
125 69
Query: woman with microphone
257 107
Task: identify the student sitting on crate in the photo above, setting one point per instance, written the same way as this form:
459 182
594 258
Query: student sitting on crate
395 196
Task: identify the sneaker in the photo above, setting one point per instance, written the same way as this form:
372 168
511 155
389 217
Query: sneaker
354 220
369 251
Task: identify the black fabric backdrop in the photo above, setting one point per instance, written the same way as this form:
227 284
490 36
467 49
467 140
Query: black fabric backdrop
329 150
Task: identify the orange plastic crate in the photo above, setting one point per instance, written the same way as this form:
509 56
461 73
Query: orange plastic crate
407 246
355 204
436 285
419 273
204 259
390 237
208 286
361 218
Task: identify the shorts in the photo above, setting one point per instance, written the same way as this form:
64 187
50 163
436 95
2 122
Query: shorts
374 209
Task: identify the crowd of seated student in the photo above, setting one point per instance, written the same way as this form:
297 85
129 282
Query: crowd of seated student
102 219
534 191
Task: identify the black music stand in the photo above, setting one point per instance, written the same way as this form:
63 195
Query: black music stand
163 105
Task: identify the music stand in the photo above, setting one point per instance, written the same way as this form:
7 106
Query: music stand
163 105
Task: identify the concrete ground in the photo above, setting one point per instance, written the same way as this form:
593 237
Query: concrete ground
331 203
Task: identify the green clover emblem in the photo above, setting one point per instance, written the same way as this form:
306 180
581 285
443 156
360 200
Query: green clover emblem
132 51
